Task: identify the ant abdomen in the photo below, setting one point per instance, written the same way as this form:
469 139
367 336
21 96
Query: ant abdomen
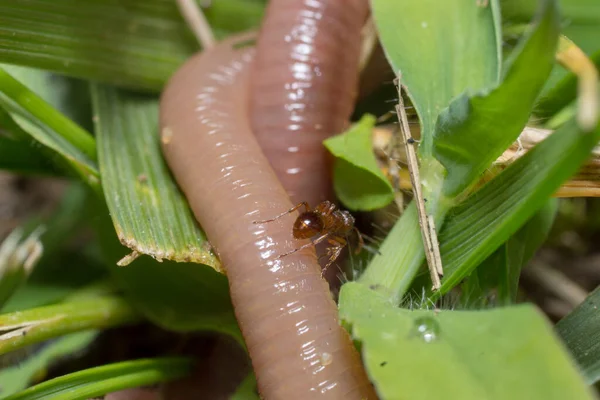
307 225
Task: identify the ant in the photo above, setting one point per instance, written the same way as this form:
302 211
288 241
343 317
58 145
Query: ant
326 221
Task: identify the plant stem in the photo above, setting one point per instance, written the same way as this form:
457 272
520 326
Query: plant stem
428 233
195 19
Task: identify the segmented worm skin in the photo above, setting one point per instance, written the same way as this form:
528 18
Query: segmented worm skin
284 308
303 88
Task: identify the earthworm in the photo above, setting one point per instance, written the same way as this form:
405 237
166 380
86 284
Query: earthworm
303 88
283 306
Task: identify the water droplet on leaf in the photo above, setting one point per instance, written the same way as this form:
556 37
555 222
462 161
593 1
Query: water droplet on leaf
427 328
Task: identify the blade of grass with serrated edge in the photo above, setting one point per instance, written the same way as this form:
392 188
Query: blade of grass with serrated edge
109 378
21 328
580 330
50 127
479 225
149 212
137 44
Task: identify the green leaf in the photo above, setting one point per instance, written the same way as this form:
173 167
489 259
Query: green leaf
439 54
477 227
505 353
49 127
98 381
126 42
580 19
20 376
580 330
357 179
475 130
579 11
150 214
499 273
176 296
21 328
69 96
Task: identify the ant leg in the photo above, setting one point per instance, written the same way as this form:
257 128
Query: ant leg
325 208
291 210
361 242
334 252
304 246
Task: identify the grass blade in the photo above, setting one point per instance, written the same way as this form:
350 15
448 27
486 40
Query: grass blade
98 381
499 274
392 270
49 127
20 376
580 330
21 328
149 212
466 141
479 225
126 42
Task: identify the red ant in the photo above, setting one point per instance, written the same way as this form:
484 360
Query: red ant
326 221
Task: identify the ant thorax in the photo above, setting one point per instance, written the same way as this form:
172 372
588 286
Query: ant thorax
344 221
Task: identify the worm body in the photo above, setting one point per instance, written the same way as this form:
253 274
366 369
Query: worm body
303 88
283 306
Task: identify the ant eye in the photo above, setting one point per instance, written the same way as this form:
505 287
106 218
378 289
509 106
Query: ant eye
307 225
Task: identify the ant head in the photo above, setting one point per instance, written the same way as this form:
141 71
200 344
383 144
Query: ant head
307 225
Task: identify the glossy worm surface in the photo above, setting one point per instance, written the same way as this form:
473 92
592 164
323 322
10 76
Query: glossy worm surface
303 88
283 306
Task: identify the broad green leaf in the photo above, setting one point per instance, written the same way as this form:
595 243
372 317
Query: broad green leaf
176 296
580 330
150 214
109 378
439 54
478 226
19 377
504 353
22 328
49 127
126 42
476 129
357 179
499 273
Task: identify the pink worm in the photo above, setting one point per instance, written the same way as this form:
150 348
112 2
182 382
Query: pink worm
303 88
283 306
